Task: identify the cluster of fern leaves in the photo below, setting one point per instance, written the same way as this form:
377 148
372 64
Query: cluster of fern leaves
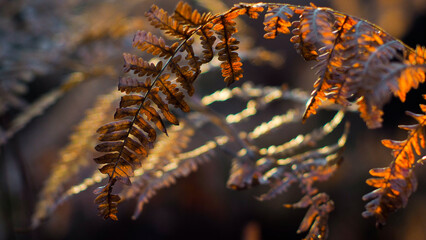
357 64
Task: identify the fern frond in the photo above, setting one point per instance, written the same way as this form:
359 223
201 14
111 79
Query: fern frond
277 21
402 77
375 51
330 70
185 15
396 182
146 41
315 30
161 20
224 26
306 168
124 141
140 66
316 218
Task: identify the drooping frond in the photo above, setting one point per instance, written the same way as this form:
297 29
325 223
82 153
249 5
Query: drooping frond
357 62
316 218
126 142
375 50
331 80
306 169
73 157
315 30
394 184
402 77
224 26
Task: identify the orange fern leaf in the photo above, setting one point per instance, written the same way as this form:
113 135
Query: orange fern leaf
185 15
402 77
396 182
315 30
277 21
224 26
150 43
140 66
331 79
160 19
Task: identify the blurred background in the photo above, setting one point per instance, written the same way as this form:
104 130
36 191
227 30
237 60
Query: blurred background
57 57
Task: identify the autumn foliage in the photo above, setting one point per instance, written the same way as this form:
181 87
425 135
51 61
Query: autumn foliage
147 146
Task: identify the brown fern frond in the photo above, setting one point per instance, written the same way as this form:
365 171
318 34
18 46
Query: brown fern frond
185 15
396 182
224 26
107 202
277 21
146 41
133 85
161 20
308 167
140 66
73 157
315 30
402 77
316 218
369 57
331 80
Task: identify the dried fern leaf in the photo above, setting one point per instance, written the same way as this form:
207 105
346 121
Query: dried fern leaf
146 41
277 21
396 182
308 167
185 15
331 80
316 218
402 77
315 30
224 26
369 56
161 20
140 66
124 141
